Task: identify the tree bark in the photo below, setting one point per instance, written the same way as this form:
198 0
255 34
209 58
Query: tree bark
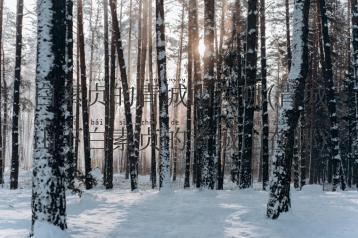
163 98
335 155
264 112
48 189
279 200
249 98
16 99
85 114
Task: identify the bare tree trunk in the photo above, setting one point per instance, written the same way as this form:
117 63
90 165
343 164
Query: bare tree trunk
153 102
206 105
48 189
133 161
85 115
331 98
249 98
264 112
279 200
2 158
16 99
163 98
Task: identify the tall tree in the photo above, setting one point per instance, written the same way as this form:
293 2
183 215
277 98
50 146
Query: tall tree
206 106
163 97
2 158
249 98
133 161
71 164
331 100
279 200
108 165
48 190
264 112
153 100
189 100
354 9
16 99
85 114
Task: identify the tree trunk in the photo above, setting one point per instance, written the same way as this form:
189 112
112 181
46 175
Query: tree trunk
288 34
249 98
133 161
16 99
2 158
71 164
264 112
48 189
85 117
153 102
355 81
206 105
279 200
163 98
335 156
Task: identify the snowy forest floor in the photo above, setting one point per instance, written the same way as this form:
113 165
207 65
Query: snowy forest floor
231 213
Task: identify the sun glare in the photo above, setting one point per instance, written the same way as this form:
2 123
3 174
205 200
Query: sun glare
201 48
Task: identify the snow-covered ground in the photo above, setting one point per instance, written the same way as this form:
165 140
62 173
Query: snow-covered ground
189 213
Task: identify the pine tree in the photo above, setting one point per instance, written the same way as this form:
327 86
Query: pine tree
206 106
331 100
85 113
48 190
279 200
264 112
2 158
249 98
133 161
16 99
355 80
163 97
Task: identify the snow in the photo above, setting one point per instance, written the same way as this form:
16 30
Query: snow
186 213
44 229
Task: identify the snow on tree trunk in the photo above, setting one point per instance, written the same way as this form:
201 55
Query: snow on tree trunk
264 112
249 91
279 200
335 155
355 81
206 105
48 189
71 164
2 158
163 97
133 161
16 99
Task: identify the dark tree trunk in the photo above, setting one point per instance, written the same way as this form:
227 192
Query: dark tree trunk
264 112
16 99
335 155
249 98
133 161
48 190
85 115
355 80
288 33
189 104
163 97
206 105
193 15
153 102
71 164
2 158
279 200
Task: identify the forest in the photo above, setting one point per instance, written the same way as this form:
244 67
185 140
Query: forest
178 118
